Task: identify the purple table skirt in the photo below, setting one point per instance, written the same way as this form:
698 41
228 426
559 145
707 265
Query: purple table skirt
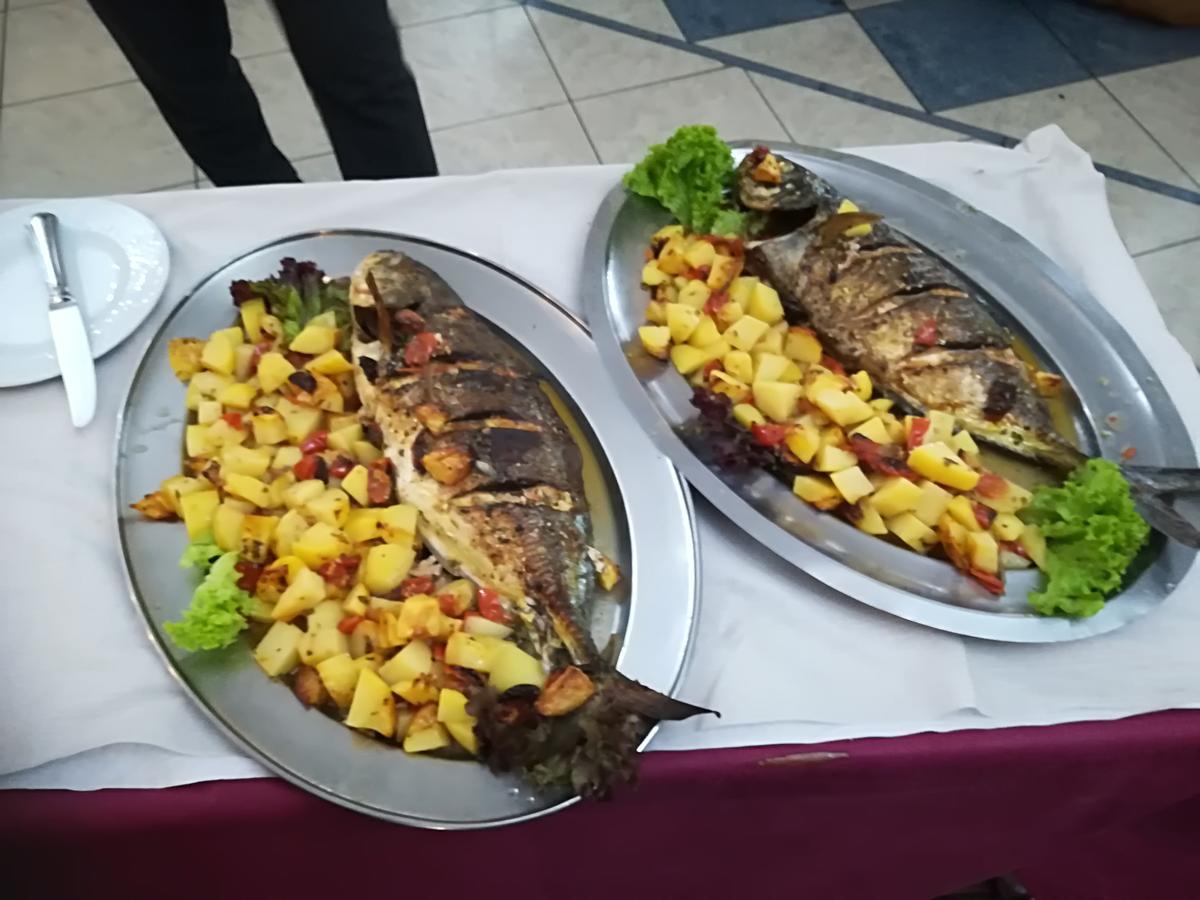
1088 810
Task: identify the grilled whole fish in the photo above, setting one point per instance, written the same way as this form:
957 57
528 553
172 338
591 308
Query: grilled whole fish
885 305
511 514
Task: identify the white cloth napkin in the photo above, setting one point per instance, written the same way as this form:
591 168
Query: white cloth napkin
784 658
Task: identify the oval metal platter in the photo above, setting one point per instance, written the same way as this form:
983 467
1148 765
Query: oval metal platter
1065 328
641 511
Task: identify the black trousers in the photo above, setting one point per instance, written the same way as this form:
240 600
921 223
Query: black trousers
349 54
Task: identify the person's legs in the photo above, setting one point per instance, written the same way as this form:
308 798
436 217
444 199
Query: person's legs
180 50
350 57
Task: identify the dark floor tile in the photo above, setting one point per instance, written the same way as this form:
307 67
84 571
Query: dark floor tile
703 19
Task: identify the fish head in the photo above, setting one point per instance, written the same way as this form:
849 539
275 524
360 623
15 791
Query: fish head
771 183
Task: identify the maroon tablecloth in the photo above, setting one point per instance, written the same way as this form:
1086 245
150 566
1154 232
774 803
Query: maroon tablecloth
1089 810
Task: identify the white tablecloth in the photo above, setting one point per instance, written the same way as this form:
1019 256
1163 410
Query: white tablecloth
89 704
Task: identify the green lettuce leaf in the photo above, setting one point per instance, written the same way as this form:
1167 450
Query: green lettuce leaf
1093 532
216 614
690 175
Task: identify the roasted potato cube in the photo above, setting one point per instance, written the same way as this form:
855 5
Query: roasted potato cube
398 524
773 367
373 706
670 257
290 526
747 415
861 383
699 253
965 444
252 461
273 371
854 230
842 407
772 342
652 275
694 294
255 537
831 458
873 429
764 304
776 399
248 488
343 437
387 565
184 356
802 345
339 675
305 591
705 333
418 691
447 465
423 740
852 484
1007 527
941 427
817 490
912 531
331 362
218 355
278 651
1034 544
728 313
897 495
739 365
723 270
366 452
197 510
355 484
414 660
954 541
741 289
656 312
227 526
961 510
804 441
721 383
985 554
1012 498
320 543
331 506
934 501
566 690
937 462
510 666
681 321
198 442
687 359
656 340
303 492
745 332
314 340
469 652
269 428
155 506
870 520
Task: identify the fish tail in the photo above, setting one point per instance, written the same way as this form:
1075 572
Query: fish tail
633 696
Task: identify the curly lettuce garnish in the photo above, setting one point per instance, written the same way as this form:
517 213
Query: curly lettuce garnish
691 175
1093 532
217 613
297 294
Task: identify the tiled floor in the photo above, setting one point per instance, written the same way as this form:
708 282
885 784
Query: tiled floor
557 82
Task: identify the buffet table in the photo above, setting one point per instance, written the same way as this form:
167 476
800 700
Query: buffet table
858 756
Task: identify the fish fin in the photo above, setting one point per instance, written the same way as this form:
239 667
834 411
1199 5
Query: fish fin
835 226
636 697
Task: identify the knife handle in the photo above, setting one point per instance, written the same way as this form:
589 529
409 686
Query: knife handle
44 227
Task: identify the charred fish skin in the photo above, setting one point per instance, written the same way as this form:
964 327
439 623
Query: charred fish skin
510 511
868 297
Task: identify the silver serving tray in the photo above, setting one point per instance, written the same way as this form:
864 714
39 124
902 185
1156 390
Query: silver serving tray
642 517
1064 326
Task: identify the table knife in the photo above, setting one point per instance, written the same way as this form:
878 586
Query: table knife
67 327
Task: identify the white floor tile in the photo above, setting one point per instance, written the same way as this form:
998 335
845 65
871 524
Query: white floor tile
821 119
286 105
594 60
1166 99
544 137
21 4
1146 220
1089 116
480 66
412 12
318 168
1172 276
624 124
58 48
832 48
118 143
255 27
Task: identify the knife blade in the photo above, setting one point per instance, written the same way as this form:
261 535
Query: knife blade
67 327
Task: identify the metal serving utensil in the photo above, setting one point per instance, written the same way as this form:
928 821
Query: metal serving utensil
1154 489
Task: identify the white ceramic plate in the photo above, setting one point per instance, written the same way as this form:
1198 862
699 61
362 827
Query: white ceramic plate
116 262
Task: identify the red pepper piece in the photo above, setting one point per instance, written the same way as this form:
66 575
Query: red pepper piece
768 434
420 348
348 624
926 334
490 605
916 432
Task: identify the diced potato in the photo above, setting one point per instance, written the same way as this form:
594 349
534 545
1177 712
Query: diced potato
722 383
818 380
248 488
729 313
273 370
739 365
301 421
664 234
843 408
656 311
278 651
286 457
802 345
1034 544
934 501
304 592
475 624
895 428
233 335
331 506
331 362
670 257
255 537
939 463
292 566
510 666
222 434
705 333
387 565
861 383
772 342
355 601
414 660
965 444
656 340
854 231
681 321
652 275
1012 499
468 651
269 428
883 404
252 312
423 740
184 356
208 412
290 526
961 510
723 270
209 384
417 691
803 441
745 332
699 254
777 400
398 524
870 520
314 339
695 294
852 484
177 486
954 541
566 690
303 492
912 531
817 490
322 639
197 510
253 461
896 496
218 356
831 458
747 415
687 359
1007 527
985 554
339 674
355 484
373 706
227 526
362 525
197 441
366 452
279 486
243 360
452 707
773 367
741 289
764 304
874 429
319 543
941 427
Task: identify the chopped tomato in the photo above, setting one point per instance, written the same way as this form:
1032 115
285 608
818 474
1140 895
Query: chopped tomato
1014 547
379 481
418 584
420 348
712 366
233 419
1128 453
340 572
348 624
697 274
769 435
439 652
833 365
715 301
341 467
917 431
315 442
730 246
988 580
308 468
490 605
885 460
991 486
983 515
926 334
250 572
